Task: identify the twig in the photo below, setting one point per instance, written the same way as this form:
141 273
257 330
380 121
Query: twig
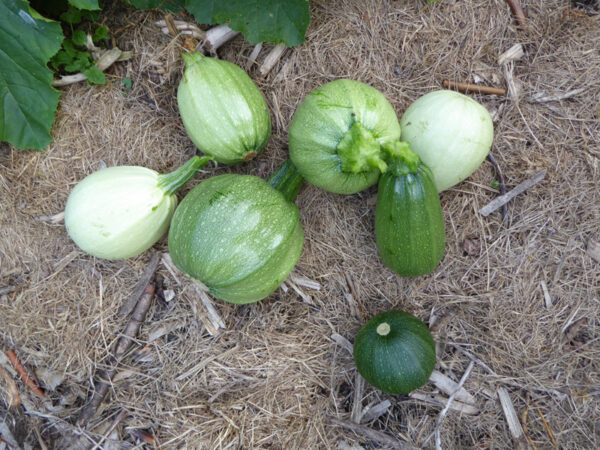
343 342
548 430
271 59
512 54
378 436
114 425
214 316
501 182
372 413
448 386
104 378
516 430
24 374
354 294
542 97
140 286
517 10
105 61
524 424
438 440
503 199
547 297
439 400
359 385
468 87
252 58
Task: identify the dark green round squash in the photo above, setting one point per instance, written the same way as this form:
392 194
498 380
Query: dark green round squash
394 352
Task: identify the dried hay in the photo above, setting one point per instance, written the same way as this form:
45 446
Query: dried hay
274 375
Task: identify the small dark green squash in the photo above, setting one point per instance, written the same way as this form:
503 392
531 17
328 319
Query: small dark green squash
409 225
394 352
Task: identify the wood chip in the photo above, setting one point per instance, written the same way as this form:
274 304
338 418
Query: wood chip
503 199
547 297
593 249
440 400
357 409
305 297
512 54
514 426
271 59
372 413
54 219
252 58
305 282
542 97
448 386
207 302
343 342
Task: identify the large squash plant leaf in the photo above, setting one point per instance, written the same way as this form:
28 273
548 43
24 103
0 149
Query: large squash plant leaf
27 100
91 5
278 21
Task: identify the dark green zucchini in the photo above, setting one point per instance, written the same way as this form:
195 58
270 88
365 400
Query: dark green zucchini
409 226
394 352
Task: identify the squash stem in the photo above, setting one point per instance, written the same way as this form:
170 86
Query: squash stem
401 158
287 180
383 329
171 182
359 151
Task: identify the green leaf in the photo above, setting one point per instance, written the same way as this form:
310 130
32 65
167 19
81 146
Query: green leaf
85 4
82 61
71 15
100 33
165 5
95 75
27 100
60 59
275 21
79 38
127 83
495 184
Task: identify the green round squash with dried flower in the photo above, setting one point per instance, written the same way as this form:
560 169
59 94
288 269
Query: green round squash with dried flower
338 133
395 352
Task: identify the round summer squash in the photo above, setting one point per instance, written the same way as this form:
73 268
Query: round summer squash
223 112
337 134
452 133
394 352
120 212
238 235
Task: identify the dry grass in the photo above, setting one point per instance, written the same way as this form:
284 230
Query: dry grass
270 379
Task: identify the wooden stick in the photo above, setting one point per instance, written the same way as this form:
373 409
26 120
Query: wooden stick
548 430
501 182
104 379
516 430
24 374
105 61
140 286
468 87
547 297
517 11
378 436
271 59
503 199
438 439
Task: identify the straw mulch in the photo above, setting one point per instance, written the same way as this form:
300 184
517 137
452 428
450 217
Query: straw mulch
274 377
